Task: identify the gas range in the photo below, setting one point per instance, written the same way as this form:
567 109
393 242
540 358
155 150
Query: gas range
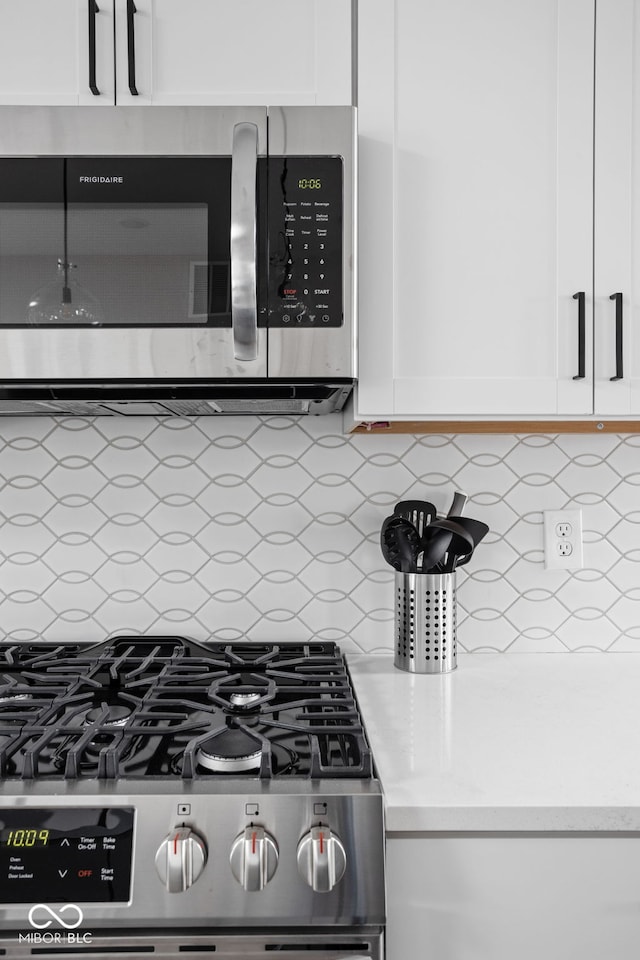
161 795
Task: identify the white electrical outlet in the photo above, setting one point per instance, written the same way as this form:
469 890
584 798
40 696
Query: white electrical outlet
563 539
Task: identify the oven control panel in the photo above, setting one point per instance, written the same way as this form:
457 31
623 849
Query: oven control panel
247 854
305 242
80 854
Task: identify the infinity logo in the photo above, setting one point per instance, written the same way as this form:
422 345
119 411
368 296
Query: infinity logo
43 908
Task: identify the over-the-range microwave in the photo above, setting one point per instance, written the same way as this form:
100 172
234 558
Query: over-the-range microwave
177 260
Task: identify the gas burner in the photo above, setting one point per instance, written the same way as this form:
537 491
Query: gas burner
238 692
243 699
108 715
230 751
10 698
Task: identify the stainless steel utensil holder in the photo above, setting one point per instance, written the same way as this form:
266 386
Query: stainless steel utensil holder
425 622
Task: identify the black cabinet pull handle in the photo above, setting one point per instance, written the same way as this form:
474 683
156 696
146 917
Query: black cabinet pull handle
618 299
93 9
131 47
580 297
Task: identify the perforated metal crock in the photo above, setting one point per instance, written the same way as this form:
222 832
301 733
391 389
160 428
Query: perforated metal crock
425 622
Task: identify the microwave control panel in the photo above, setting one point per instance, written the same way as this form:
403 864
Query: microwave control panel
305 242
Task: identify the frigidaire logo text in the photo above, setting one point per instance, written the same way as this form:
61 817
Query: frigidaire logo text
101 179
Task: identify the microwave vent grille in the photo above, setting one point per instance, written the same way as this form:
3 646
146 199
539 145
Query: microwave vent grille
260 405
180 399
24 408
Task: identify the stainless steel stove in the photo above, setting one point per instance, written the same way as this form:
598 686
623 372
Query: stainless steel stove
162 797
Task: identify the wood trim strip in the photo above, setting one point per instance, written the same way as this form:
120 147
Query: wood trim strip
497 426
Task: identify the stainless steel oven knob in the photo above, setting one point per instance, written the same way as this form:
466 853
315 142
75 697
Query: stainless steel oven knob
180 859
254 858
321 859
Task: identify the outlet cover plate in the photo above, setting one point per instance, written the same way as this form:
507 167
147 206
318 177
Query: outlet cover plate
563 540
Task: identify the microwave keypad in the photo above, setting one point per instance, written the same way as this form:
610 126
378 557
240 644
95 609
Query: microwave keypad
305 242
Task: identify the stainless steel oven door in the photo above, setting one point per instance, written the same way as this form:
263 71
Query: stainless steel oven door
130 244
353 944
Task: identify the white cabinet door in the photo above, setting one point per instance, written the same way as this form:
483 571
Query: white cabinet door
476 126
244 52
513 898
170 52
55 51
617 208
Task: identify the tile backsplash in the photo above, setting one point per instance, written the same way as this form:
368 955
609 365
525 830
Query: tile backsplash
268 528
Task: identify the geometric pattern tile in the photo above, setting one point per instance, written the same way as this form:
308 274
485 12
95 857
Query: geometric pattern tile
267 528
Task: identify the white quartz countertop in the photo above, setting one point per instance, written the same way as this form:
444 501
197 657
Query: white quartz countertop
506 742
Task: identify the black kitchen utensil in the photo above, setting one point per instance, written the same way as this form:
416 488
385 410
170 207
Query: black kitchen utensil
418 512
387 544
457 504
435 543
409 546
475 528
400 543
461 544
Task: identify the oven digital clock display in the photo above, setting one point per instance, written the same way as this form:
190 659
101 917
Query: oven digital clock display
310 183
27 837
82 854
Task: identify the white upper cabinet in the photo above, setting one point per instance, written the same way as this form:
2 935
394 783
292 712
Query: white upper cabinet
481 194
101 52
476 124
55 51
243 52
617 208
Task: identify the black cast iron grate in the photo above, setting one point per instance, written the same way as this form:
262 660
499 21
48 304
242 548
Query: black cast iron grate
163 707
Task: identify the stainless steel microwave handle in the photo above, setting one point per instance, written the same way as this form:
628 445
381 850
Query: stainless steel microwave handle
244 306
